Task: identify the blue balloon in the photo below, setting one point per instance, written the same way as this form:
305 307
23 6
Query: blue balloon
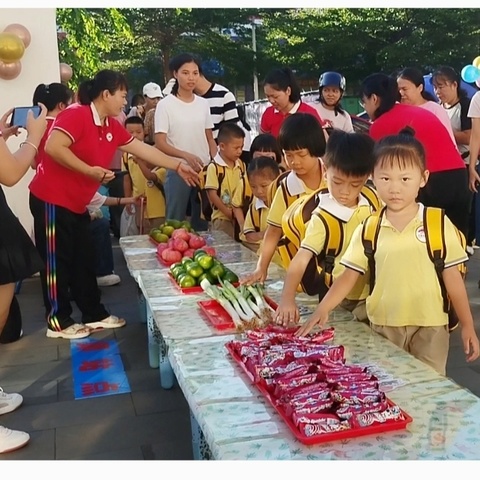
470 73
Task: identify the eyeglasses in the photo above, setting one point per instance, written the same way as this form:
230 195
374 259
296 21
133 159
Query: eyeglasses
361 103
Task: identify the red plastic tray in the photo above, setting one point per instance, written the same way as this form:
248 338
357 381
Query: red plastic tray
188 290
218 316
325 437
163 262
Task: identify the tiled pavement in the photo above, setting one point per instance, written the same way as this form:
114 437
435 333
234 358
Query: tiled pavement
147 424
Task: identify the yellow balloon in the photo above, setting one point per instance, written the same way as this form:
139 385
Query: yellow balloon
12 47
476 62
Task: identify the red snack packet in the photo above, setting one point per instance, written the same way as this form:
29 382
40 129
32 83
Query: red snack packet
347 411
343 385
307 408
366 419
285 385
357 396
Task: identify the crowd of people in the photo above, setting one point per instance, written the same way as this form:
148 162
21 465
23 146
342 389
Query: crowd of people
186 152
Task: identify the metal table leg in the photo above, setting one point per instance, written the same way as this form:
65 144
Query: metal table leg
201 450
152 330
142 306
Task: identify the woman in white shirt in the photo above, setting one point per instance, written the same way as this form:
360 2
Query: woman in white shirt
183 129
411 86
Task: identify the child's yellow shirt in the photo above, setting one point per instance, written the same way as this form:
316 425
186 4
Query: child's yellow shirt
229 183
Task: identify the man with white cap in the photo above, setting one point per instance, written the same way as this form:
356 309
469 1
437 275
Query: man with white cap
153 94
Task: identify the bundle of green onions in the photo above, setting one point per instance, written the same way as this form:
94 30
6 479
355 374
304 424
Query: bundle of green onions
246 304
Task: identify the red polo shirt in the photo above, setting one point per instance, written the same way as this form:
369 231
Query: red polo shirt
272 119
41 145
93 143
440 151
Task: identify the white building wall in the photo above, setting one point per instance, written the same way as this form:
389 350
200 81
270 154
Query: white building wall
40 64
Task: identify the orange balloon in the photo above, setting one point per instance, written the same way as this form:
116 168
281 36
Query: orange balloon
11 47
9 71
66 72
21 32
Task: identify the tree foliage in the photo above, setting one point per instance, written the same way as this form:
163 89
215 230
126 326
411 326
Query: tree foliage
355 41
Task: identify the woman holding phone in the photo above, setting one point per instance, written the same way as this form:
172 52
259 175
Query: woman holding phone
78 150
19 258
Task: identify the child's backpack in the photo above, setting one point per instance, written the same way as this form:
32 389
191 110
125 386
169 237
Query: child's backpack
434 227
247 200
205 205
317 278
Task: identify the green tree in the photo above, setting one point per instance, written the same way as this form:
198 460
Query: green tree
90 33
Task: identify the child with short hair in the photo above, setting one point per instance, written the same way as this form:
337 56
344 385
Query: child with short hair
220 187
261 172
406 305
348 162
263 145
303 142
141 179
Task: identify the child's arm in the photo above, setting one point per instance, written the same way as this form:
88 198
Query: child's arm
254 237
455 286
239 217
269 245
147 172
287 311
128 190
218 204
338 291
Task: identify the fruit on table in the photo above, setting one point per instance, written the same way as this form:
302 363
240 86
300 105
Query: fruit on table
177 271
196 242
180 245
209 277
159 236
174 223
217 270
168 230
171 256
230 276
161 247
205 261
189 253
199 253
186 260
181 233
210 251
186 281
194 269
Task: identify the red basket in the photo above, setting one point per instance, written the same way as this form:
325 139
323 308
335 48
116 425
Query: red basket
388 426
218 316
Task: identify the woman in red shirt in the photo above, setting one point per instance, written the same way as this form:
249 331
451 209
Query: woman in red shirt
283 92
78 152
447 185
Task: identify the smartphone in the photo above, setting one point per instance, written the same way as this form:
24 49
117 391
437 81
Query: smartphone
19 115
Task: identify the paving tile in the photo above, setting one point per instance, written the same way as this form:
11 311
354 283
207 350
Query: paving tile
466 377
27 356
159 400
102 410
133 453
111 436
40 447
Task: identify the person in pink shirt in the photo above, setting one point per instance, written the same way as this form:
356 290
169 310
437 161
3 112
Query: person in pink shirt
411 86
283 92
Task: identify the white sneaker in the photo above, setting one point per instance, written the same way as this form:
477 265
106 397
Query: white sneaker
470 250
108 280
11 440
9 401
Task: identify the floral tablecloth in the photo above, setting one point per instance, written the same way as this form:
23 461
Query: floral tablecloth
239 424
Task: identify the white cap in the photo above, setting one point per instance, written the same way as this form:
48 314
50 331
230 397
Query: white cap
152 90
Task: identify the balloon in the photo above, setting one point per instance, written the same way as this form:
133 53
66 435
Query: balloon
66 72
476 62
20 31
9 71
11 47
470 73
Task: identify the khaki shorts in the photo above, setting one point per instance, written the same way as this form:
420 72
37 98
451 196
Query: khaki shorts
358 308
428 344
224 226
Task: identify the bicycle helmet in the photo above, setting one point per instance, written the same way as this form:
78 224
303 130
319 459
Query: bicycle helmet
332 79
